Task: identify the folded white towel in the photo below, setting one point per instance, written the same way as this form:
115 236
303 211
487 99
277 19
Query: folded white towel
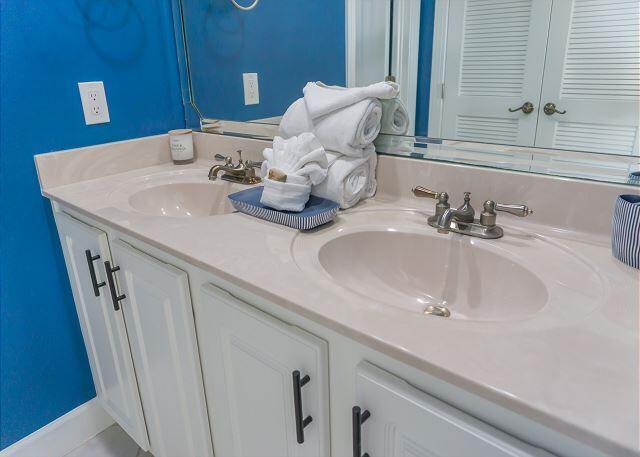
395 118
298 157
322 99
285 196
304 162
350 179
349 130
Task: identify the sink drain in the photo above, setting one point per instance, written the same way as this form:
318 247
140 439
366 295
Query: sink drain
435 310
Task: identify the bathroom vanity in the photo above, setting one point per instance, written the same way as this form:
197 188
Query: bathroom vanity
209 331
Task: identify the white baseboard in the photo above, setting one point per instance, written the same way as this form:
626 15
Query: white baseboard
64 434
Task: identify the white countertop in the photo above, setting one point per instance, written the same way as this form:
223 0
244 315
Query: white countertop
578 376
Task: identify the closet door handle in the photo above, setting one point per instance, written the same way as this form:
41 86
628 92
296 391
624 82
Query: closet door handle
550 108
115 298
297 405
527 108
92 272
358 418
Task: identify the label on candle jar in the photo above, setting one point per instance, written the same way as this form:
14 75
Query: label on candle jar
181 144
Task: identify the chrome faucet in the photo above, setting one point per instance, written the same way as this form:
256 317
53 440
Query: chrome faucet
243 172
464 213
462 219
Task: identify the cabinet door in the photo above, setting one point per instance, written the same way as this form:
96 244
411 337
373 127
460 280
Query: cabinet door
103 328
405 421
248 361
592 75
495 55
159 317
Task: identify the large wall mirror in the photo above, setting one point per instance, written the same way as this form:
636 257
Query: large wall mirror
548 86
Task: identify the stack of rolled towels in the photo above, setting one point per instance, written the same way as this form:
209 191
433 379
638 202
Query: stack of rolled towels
345 122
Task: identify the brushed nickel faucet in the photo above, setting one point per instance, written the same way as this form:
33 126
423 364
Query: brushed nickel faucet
462 219
243 172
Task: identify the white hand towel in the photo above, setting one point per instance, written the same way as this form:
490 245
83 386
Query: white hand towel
304 162
298 157
350 179
349 131
395 118
285 196
322 99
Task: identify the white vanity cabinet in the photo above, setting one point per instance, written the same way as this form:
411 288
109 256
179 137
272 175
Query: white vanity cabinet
85 250
159 317
267 382
139 331
395 419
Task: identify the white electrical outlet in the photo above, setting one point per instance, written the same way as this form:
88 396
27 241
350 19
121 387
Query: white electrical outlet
94 102
251 90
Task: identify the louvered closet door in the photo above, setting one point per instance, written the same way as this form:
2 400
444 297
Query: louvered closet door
593 73
494 61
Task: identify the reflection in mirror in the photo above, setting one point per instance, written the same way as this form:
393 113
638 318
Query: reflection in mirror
549 86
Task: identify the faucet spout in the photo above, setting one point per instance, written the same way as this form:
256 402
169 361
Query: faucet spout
213 172
444 220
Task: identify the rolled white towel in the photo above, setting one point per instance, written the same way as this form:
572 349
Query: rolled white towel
301 162
349 131
322 99
350 179
395 118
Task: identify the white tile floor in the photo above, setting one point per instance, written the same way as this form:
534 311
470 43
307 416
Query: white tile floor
112 442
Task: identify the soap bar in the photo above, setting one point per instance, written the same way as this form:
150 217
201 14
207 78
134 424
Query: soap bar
277 175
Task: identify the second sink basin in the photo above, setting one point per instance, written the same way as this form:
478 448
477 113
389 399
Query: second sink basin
394 258
414 271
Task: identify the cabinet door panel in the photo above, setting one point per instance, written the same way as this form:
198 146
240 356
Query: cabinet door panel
103 328
159 319
248 359
592 74
407 422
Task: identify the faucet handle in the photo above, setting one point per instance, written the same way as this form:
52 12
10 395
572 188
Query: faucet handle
488 216
253 164
516 210
420 191
227 160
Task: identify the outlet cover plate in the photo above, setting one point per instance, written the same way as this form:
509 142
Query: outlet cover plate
94 102
251 90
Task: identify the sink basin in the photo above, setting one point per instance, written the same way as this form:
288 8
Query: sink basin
182 199
393 258
415 272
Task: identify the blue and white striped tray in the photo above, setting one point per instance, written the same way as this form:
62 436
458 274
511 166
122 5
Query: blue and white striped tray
317 211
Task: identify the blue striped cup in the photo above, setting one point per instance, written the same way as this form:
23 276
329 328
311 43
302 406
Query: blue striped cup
625 240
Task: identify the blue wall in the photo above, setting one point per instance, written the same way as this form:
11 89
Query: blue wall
287 42
424 65
46 48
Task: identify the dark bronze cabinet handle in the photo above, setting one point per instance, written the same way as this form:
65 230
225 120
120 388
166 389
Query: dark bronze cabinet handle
358 418
92 272
297 405
115 298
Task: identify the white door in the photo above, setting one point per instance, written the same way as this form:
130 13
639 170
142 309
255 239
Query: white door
368 31
495 52
592 75
250 361
405 421
159 317
85 250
